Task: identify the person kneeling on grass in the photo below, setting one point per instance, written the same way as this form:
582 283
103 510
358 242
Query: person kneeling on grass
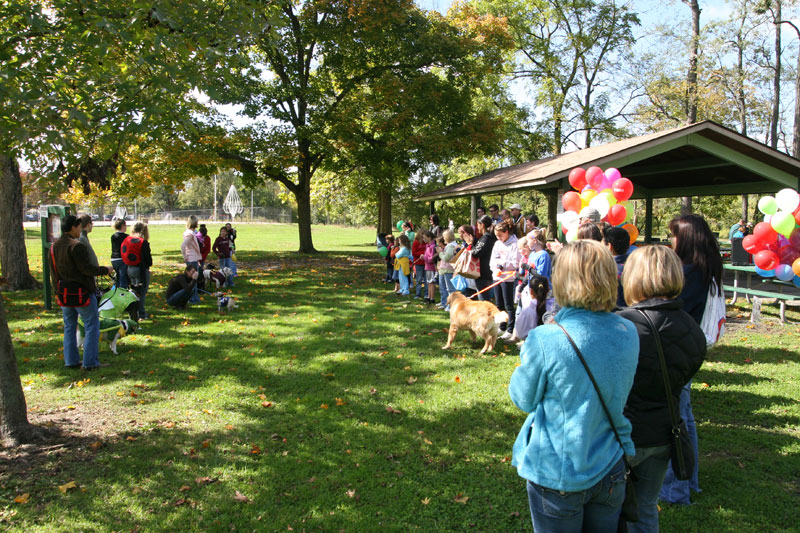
180 288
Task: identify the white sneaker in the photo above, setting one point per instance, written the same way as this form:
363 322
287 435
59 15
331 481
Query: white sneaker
439 306
505 336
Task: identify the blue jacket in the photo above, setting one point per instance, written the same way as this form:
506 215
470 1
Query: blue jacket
571 445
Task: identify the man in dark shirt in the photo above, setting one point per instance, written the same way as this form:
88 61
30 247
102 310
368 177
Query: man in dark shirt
116 257
180 288
618 242
72 263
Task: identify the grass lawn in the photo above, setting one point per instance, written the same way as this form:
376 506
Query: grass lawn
325 403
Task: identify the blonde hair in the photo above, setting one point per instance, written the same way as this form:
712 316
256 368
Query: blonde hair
537 235
523 242
191 222
585 276
448 236
650 272
141 229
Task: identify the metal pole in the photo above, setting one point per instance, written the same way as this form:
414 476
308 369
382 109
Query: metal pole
215 197
251 205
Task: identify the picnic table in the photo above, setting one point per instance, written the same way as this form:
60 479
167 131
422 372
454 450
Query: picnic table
747 290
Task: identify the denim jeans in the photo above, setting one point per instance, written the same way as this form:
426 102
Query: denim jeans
91 324
404 282
194 297
594 510
389 272
649 466
505 302
675 490
422 284
179 298
141 291
121 270
227 262
445 286
482 284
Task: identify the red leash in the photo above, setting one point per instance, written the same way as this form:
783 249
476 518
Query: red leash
496 283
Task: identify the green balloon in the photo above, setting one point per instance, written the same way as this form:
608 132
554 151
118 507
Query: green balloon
399 224
768 205
383 251
783 223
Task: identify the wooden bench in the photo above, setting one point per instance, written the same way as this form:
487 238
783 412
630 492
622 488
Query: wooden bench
780 297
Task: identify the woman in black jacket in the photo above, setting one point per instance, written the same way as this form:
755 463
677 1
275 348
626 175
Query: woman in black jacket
652 281
483 251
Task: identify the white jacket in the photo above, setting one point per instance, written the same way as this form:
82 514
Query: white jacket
190 248
505 258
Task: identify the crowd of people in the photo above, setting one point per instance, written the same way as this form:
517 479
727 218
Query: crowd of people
610 336
75 268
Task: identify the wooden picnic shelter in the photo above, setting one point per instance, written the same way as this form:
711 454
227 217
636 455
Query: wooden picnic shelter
702 159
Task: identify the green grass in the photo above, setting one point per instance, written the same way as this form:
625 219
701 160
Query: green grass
359 419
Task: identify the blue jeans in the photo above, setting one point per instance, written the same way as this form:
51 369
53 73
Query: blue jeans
649 466
227 262
182 297
121 270
91 324
404 283
194 297
482 284
141 292
674 490
594 510
504 293
422 284
445 286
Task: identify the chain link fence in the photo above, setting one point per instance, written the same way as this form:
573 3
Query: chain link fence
256 214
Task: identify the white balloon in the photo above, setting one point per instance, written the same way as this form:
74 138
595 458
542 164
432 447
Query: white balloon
787 200
572 235
600 202
568 218
767 218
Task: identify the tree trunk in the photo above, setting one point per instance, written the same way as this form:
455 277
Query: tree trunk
745 205
776 81
552 214
13 254
303 197
691 78
14 426
686 205
385 211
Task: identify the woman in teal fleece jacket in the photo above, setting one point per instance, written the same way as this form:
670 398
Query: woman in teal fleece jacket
566 449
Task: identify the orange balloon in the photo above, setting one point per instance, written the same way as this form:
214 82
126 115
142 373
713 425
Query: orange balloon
633 231
796 267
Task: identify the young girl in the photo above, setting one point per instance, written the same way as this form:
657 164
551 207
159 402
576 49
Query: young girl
222 247
447 250
535 304
402 264
140 230
539 257
389 260
418 251
430 265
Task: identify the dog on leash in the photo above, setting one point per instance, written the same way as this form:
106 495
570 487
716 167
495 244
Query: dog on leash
219 277
111 330
226 304
480 318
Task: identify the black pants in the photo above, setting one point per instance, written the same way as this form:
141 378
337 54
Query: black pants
504 294
482 284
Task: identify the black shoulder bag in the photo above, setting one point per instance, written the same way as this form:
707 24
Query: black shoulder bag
630 506
681 448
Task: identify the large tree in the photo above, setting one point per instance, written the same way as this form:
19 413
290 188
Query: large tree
313 66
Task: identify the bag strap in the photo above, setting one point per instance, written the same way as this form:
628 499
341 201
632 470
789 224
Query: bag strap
596 387
670 400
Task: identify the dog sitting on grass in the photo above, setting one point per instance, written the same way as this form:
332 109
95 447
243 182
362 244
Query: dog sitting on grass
481 318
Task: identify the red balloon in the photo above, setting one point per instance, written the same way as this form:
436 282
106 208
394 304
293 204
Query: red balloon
788 254
796 214
764 233
571 201
577 178
595 177
766 260
622 188
752 245
617 214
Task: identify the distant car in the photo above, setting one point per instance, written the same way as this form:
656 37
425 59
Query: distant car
31 217
107 217
130 217
95 217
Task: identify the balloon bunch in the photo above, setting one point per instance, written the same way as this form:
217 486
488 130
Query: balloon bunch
775 243
607 192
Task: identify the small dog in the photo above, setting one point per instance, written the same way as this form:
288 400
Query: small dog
217 276
226 303
111 330
479 317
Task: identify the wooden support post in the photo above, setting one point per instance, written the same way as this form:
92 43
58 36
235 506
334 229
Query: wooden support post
432 208
473 209
552 213
648 220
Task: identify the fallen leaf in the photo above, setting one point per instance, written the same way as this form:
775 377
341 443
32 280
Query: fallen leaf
392 410
412 380
96 445
184 488
205 480
206 443
340 402
22 498
255 450
457 379
323 406
427 441
350 493
425 501
704 385
460 498
266 404
239 497
66 486
373 391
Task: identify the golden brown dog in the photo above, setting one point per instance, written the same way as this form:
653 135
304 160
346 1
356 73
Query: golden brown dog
480 318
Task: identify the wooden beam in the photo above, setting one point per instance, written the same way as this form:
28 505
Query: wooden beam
678 166
784 179
648 219
753 187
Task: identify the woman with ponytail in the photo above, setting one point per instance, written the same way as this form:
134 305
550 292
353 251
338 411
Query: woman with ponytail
535 304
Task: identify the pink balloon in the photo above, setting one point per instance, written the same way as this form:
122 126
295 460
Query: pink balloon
612 174
622 188
794 238
788 254
595 177
577 178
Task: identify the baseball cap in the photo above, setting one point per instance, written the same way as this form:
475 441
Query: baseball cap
516 206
